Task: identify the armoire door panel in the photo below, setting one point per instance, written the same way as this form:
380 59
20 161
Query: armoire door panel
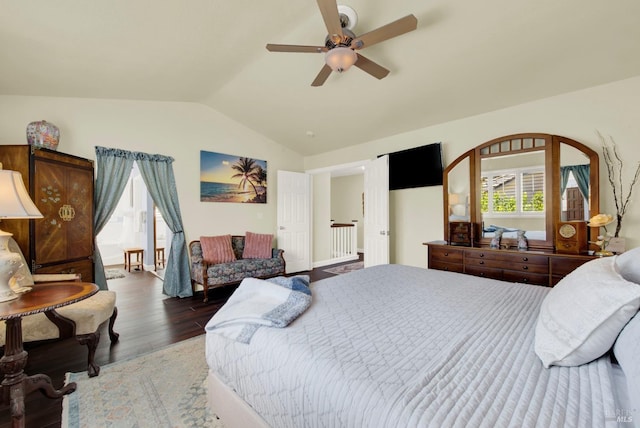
49 196
80 199
64 195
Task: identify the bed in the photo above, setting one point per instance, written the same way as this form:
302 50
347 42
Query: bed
403 346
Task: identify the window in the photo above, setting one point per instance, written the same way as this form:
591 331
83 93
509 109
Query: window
519 192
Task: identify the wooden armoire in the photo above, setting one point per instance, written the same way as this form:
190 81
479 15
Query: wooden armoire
61 186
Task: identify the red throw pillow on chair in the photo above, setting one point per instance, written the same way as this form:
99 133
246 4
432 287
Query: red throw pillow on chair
217 249
257 246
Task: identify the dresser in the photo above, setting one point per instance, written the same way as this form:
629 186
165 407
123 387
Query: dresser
532 267
61 186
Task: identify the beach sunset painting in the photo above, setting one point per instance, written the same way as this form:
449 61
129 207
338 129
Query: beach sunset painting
228 178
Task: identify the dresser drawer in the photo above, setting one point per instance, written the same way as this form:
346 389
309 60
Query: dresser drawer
447 255
483 272
526 277
509 257
564 265
450 267
507 265
532 267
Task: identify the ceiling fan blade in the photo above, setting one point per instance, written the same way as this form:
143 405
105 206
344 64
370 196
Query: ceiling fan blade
371 67
295 48
322 76
393 29
331 17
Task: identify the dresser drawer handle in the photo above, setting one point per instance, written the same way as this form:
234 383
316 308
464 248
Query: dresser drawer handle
481 254
481 273
481 262
446 254
525 280
525 259
525 267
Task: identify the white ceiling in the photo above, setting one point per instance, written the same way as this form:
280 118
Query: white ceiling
466 57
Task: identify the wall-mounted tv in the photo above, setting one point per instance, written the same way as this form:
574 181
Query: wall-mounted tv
416 167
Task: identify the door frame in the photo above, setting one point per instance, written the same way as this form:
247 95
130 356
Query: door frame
350 168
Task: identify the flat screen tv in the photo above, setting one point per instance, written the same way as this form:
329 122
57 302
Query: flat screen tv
416 167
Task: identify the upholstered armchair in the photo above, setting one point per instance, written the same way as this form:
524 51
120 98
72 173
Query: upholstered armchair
81 320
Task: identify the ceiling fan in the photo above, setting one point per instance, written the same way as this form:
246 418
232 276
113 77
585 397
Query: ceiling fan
341 44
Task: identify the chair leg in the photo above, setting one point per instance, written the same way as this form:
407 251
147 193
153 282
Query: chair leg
205 289
112 334
91 340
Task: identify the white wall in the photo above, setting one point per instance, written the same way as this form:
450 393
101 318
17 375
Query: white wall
416 214
179 130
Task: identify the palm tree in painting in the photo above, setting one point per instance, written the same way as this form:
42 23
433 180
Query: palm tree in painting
261 174
247 172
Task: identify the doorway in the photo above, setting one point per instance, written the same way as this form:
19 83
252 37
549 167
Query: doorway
135 223
323 209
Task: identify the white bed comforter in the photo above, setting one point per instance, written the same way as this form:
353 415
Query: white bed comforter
398 346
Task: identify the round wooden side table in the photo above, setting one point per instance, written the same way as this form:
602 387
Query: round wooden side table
42 298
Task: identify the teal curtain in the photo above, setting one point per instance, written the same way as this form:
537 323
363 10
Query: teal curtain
113 171
580 173
157 173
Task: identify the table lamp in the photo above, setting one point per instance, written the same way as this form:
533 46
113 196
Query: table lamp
14 203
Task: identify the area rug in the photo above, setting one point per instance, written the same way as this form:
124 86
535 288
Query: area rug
166 388
345 268
114 273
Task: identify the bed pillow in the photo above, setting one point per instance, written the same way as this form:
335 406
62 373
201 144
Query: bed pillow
581 317
626 350
217 249
257 246
628 265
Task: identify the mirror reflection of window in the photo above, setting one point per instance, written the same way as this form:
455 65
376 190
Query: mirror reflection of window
513 193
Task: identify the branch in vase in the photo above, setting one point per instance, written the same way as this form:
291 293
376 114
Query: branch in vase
614 173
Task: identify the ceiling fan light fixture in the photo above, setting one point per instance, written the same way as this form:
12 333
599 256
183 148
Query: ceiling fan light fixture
340 58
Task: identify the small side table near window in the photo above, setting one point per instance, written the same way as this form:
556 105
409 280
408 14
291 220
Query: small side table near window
42 298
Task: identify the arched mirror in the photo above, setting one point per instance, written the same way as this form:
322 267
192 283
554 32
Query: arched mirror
529 182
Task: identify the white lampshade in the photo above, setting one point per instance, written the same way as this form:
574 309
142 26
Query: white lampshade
14 203
14 198
340 58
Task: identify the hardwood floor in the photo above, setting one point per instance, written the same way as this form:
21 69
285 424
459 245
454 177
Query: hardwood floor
147 320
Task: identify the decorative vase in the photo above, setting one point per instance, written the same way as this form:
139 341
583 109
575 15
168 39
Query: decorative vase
497 237
523 244
43 134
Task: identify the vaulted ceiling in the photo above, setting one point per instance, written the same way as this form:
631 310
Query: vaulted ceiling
465 58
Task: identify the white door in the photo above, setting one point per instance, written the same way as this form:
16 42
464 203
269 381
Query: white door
376 212
294 219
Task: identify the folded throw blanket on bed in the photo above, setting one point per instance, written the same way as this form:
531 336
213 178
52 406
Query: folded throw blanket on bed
274 302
